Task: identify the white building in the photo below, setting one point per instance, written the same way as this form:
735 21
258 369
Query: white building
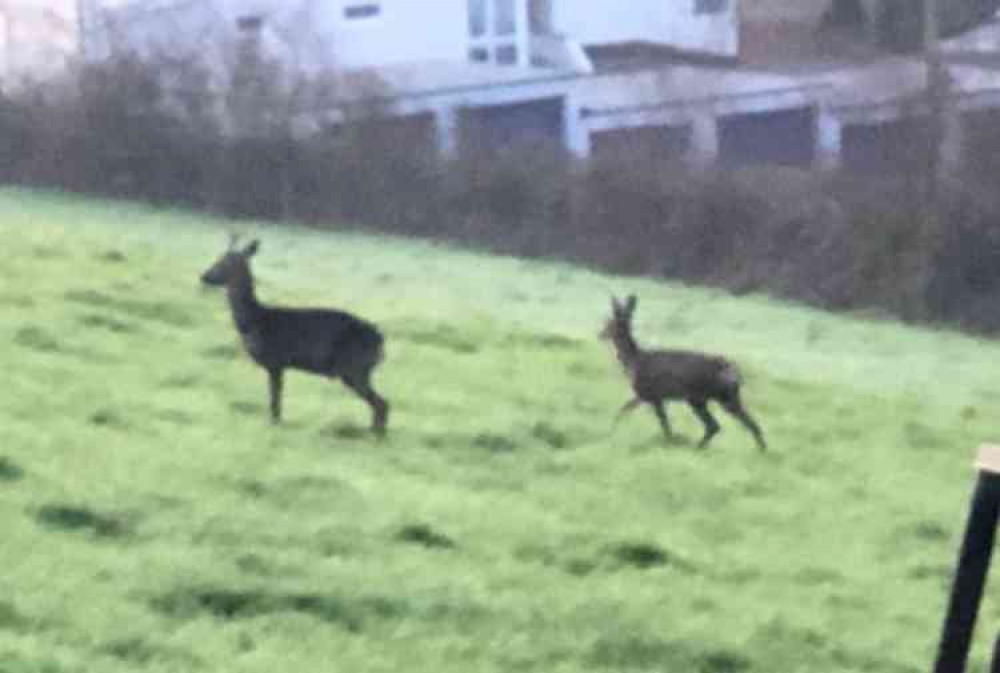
38 39
524 70
508 64
539 33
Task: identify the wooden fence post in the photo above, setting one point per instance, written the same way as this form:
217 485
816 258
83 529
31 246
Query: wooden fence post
973 564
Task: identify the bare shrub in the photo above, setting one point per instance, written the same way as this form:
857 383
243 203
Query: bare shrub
270 140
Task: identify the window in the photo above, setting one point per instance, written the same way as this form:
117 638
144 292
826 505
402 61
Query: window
495 27
366 11
477 18
248 47
506 54
505 17
250 23
540 17
710 6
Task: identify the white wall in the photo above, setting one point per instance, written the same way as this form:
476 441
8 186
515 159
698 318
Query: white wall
406 31
403 31
670 22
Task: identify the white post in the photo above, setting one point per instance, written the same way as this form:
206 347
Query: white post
829 139
941 110
704 149
446 130
952 137
522 30
489 37
576 134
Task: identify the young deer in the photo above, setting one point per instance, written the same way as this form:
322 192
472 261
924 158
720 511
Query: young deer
661 375
320 341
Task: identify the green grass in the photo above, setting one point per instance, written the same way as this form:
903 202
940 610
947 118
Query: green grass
152 518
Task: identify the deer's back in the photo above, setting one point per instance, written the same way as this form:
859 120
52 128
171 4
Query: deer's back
321 341
683 374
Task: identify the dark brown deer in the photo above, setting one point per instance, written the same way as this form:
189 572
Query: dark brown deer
661 375
327 342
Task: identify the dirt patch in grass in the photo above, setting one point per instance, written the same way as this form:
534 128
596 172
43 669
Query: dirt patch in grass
35 338
551 342
632 652
444 337
646 555
107 323
424 535
174 315
108 418
494 443
73 518
352 614
221 352
9 470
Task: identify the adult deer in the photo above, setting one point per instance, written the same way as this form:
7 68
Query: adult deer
326 342
658 376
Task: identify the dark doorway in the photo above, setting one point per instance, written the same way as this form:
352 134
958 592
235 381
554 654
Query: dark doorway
785 137
501 127
646 144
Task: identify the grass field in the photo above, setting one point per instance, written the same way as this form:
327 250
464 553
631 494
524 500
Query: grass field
153 519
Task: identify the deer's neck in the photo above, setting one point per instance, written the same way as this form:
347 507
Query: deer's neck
627 351
243 299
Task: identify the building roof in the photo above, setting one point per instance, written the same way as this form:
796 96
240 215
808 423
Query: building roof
637 54
894 81
440 78
684 91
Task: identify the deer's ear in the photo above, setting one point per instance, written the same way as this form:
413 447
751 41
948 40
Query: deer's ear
630 304
616 308
251 248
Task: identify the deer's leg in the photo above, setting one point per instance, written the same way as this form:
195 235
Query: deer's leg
734 405
700 408
361 385
274 378
627 407
661 414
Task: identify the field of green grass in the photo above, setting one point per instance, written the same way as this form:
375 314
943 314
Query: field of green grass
154 520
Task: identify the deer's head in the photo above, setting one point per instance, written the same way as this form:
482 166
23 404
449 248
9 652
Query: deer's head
619 326
232 261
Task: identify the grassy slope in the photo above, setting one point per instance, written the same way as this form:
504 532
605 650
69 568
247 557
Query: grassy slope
153 519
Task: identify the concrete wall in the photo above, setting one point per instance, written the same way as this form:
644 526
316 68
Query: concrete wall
765 11
670 22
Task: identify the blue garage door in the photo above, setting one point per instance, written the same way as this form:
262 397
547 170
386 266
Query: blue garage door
503 127
785 137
